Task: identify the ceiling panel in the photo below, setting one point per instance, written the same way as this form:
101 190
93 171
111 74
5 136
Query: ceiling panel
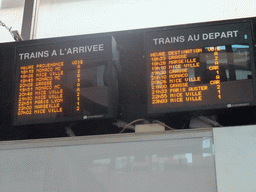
9 4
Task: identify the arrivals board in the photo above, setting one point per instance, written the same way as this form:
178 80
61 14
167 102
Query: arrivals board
66 80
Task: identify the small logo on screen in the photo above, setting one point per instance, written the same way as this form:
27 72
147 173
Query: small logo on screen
92 117
237 105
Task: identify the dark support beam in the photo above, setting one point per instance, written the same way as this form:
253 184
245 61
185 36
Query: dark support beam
29 22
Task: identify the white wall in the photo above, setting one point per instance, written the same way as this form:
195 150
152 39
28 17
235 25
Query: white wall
114 15
84 17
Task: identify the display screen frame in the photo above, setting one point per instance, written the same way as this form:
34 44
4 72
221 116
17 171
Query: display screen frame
90 58
156 41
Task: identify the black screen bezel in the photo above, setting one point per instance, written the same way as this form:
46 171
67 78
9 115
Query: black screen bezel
191 30
106 57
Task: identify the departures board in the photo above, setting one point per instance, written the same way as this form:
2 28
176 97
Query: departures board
67 80
201 67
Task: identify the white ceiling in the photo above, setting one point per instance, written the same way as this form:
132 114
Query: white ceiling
9 4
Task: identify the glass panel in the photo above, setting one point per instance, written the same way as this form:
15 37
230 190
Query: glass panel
11 14
185 164
235 152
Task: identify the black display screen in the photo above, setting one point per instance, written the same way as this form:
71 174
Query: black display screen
200 68
64 81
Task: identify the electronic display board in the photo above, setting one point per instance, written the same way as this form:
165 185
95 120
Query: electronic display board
202 67
65 80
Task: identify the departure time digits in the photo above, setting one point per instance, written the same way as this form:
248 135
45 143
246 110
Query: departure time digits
40 89
176 76
26 90
159 78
